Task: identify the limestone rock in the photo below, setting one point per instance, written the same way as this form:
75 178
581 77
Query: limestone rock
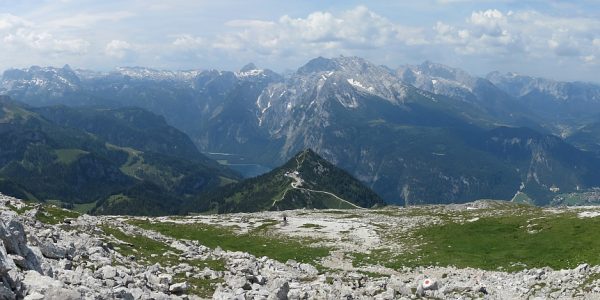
6 263
108 272
238 282
6 293
35 296
61 294
127 294
395 284
178 287
429 284
582 268
83 263
14 240
278 289
34 282
311 270
13 235
51 250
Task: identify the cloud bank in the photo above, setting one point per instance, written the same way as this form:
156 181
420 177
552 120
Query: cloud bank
526 40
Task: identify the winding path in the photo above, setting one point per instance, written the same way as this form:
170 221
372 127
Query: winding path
297 182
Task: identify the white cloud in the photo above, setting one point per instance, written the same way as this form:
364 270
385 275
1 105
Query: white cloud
119 49
20 34
484 32
101 35
590 59
9 21
530 33
490 22
357 29
564 46
188 42
484 39
488 32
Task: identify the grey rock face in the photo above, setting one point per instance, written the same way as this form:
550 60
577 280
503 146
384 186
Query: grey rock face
108 272
34 282
6 293
13 235
62 294
396 285
583 268
52 250
178 288
6 263
279 289
93 269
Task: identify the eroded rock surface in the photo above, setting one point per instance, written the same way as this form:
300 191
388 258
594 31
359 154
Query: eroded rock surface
77 260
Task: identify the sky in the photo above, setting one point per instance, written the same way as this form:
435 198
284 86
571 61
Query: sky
553 39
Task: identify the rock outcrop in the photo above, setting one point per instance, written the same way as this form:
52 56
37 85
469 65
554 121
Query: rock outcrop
77 260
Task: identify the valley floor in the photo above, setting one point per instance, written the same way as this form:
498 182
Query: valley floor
484 249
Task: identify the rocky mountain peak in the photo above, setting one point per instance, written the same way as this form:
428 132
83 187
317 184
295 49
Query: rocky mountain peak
344 76
429 70
248 67
354 63
344 64
520 85
35 77
252 73
13 74
306 180
443 71
456 83
319 64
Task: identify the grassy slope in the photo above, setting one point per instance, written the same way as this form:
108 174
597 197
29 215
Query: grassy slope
563 241
50 214
42 160
257 242
68 156
513 238
509 237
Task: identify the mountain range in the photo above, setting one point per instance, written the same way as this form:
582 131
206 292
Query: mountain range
424 133
129 161
92 157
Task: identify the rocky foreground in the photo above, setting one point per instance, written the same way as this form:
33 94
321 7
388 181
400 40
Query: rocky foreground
45 256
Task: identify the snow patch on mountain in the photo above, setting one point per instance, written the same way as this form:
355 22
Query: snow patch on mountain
152 74
256 72
360 85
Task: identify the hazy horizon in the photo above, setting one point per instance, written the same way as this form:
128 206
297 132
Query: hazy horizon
552 39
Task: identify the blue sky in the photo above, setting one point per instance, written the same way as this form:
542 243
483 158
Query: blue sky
555 39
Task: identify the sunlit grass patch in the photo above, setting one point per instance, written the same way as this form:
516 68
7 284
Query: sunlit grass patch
516 239
51 214
258 242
